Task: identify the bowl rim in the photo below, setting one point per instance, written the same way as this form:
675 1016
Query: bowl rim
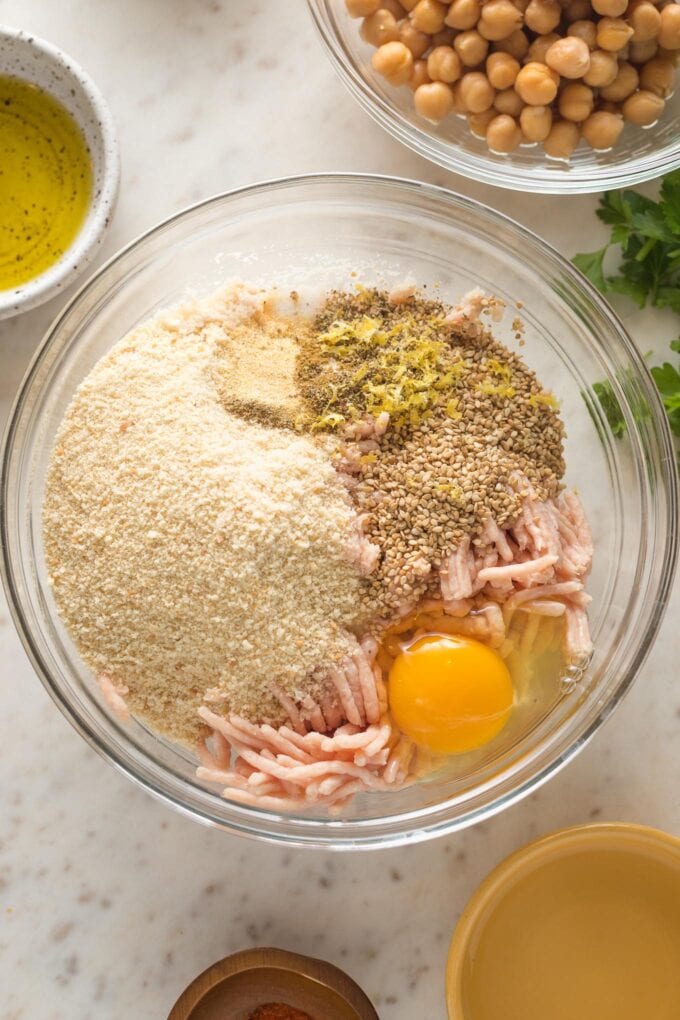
630 836
413 825
317 971
80 252
450 157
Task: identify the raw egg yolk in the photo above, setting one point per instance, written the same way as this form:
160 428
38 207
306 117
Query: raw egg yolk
450 694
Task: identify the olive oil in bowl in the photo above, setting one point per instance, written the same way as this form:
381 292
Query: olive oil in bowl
45 181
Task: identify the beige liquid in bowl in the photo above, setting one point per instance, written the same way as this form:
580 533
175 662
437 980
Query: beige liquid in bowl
594 935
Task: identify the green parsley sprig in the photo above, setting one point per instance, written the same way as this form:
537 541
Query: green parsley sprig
648 235
667 379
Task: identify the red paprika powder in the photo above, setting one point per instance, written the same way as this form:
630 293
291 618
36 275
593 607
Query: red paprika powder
278 1011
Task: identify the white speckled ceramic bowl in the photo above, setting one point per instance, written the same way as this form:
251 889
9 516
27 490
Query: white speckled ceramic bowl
24 56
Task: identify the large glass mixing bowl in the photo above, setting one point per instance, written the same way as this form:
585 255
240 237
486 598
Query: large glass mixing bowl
310 233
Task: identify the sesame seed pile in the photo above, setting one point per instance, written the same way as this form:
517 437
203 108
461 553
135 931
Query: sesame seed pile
437 479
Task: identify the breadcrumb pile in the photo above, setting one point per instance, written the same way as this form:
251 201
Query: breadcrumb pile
191 551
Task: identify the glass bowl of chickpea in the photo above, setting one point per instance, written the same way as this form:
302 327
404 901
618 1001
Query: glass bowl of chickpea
552 96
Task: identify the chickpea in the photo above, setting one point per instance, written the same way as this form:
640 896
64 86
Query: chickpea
508 102
419 75
476 92
433 101
443 38
394 62
624 84
641 52
570 57
586 30
503 134
613 34
517 45
463 14
394 7
540 47
610 8
418 42
471 48
672 55
658 76
500 18
428 16
379 28
645 20
634 6
577 10
669 55
562 140
362 8
501 70
479 122
459 106
408 5
643 108
669 34
543 16
536 122
576 102
521 5
602 129
603 70
444 64
537 84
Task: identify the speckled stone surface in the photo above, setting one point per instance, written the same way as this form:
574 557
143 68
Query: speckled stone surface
109 902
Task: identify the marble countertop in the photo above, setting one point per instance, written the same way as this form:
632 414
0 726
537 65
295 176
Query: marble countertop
110 903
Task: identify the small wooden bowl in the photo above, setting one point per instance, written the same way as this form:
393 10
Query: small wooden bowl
232 988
